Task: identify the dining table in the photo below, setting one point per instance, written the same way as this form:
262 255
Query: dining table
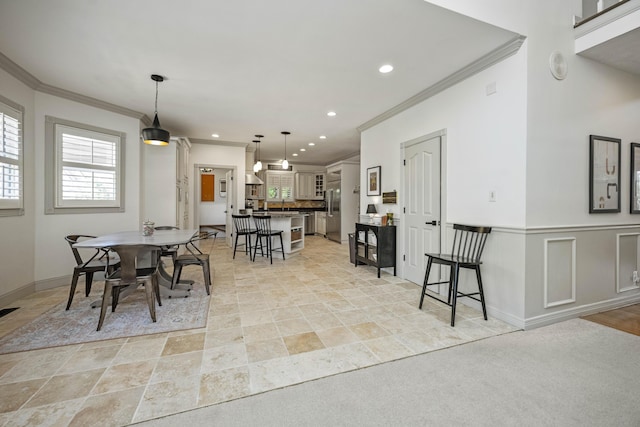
159 238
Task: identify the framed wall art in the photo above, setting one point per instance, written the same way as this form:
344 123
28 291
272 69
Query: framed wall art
634 187
604 174
373 181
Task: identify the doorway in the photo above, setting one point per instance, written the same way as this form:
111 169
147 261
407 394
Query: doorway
424 189
213 213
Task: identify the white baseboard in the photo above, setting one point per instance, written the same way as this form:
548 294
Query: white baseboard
584 310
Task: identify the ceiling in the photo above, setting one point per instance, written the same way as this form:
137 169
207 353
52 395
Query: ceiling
245 67
611 36
619 52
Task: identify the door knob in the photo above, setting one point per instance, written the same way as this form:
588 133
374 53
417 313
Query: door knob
434 222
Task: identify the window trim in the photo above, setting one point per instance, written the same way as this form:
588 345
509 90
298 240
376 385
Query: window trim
16 211
50 168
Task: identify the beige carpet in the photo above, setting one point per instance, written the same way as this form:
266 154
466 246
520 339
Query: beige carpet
574 373
58 327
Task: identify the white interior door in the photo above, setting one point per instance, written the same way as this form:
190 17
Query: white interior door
422 205
229 209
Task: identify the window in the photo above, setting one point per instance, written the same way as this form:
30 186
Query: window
85 168
11 158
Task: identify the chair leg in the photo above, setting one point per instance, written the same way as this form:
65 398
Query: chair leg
455 270
484 307
148 290
282 246
270 248
87 283
426 280
450 285
235 246
105 302
207 276
255 250
72 291
156 288
177 271
115 297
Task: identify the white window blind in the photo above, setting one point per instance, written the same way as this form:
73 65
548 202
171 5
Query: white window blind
87 168
10 157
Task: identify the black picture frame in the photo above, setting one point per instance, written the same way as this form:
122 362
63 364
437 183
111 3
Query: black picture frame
374 181
604 174
634 183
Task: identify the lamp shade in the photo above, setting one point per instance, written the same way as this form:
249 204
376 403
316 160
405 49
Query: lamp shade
155 135
371 209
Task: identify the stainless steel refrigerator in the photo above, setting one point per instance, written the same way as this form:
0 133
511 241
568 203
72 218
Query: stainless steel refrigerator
333 211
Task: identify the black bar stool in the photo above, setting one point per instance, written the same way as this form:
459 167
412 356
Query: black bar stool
468 244
242 225
264 231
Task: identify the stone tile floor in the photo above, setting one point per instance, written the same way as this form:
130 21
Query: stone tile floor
269 326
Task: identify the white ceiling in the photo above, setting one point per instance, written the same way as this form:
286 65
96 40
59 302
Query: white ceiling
242 67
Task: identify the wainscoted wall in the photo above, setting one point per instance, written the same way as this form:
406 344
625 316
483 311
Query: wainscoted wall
574 271
541 276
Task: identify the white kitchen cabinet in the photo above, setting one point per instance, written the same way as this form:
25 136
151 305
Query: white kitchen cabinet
321 223
279 186
310 185
166 183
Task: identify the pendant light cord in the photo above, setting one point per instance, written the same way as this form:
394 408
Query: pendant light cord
156 111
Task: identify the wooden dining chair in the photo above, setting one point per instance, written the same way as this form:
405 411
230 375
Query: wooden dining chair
129 275
98 261
466 251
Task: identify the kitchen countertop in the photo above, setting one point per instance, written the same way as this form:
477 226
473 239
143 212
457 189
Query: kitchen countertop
279 213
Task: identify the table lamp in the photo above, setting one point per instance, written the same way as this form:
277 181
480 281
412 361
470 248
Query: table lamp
371 210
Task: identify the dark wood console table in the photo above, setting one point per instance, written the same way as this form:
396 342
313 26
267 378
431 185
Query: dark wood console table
376 246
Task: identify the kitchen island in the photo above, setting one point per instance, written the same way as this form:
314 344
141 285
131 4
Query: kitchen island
292 225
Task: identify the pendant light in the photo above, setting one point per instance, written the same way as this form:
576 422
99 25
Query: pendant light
156 135
285 163
258 166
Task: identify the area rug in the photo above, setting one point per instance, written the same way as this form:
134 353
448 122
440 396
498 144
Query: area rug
58 327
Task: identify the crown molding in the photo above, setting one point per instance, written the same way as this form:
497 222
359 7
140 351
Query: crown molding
31 81
495 56
244 145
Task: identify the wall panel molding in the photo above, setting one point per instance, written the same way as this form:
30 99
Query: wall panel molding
627 256
559 271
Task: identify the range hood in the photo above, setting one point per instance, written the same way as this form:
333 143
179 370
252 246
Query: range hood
251 179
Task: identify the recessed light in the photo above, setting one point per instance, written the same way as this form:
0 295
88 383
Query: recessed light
323 137
386 68
331 113
303 149
312 144
295 154
215 135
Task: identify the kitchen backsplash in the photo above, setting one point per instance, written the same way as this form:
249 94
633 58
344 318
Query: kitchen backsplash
298 204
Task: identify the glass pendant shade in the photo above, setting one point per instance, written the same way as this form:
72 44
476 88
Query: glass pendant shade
257 167
285 163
